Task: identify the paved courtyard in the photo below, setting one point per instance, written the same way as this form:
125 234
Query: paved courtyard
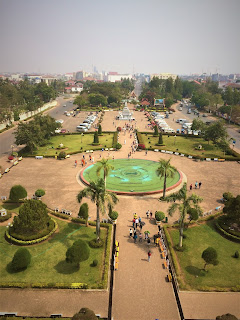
140 288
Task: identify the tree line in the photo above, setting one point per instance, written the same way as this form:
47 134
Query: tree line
23 96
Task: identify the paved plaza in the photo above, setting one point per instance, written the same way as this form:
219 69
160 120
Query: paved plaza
140 288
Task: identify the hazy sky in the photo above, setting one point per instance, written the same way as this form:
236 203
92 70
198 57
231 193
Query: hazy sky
144 36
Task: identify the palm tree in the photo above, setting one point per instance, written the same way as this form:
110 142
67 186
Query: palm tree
165 170
106 167
186 203
96 191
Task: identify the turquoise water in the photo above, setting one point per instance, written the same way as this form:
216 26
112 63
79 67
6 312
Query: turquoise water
131 175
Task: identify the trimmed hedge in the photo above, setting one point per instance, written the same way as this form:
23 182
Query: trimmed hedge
44 285
29 242
225 233
60 215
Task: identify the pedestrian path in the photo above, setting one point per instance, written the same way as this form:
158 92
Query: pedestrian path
141 289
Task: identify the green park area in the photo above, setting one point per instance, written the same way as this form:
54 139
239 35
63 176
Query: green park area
221 277
48 266
186 145
73 143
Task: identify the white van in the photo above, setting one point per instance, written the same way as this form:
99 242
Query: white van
86 125
181 121
81 129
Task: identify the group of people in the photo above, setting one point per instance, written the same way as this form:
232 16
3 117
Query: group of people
84 161
197 185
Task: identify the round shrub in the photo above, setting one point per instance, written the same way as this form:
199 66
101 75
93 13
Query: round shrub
236 255
17 192
62 155
159 215
78 252
95 139
118 146
39 193
85 314
95 263
227 196
113 215
21 259
119 129
96 244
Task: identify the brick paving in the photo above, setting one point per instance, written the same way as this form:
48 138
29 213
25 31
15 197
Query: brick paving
140 288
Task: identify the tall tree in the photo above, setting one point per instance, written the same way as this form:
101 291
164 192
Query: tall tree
104 166
79 101
98 194
165 170
183 206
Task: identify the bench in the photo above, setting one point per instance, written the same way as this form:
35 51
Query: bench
15 163
221 160
7 170
169 277
19 159
116 266
116 259
56 315
165 264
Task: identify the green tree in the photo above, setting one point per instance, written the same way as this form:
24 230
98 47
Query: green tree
165 170
78 252
80 101
216 131
99 129
232 209
21 260
95 138
39 193
83 212
228 96
97 99
183 206
85 314
17 192
160 139
198 124
209 255
104 166
96 191
32 218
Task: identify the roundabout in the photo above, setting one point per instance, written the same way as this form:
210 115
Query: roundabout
132 177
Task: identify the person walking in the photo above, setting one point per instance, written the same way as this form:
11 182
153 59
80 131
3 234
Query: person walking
148 241
136 222
133 223
130 232
149 255
159 228
140 226
196 185
135 237
157 241
190 187
147 213
199 185
140 237
75 163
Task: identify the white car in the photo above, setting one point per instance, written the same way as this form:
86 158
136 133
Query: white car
57 131
81 129
59 121
68 114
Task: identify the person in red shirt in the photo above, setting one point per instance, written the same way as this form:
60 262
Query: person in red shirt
149 255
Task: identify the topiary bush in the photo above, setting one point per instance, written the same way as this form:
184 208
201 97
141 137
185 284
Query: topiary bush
236 255
155 131
83 212
160 139
95 138
85 314
99 129
227 196
17 192
118 146
113 215
141 146
62 155
95 263
159 215
21 260
39 193
78 252
96 244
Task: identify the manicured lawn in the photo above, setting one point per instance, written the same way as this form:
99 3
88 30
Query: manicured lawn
11 207
184 145
48 263
224 276
74 143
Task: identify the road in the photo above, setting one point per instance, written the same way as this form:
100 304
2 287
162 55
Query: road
138 86
7 138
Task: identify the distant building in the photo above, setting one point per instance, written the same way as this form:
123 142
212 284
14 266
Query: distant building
115 77
48 79
163 76
215 77
33 78
80 75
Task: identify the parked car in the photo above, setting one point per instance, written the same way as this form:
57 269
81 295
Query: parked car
59 121
63 130
204 115
57 131
81 129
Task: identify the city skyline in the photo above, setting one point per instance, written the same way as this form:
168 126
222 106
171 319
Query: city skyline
184 37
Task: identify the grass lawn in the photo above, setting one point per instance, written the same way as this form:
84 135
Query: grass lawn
11 207
224 276
185 145
48 263
74 143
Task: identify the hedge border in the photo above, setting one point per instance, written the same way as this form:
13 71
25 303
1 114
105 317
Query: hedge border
225 233
30 242
44 285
